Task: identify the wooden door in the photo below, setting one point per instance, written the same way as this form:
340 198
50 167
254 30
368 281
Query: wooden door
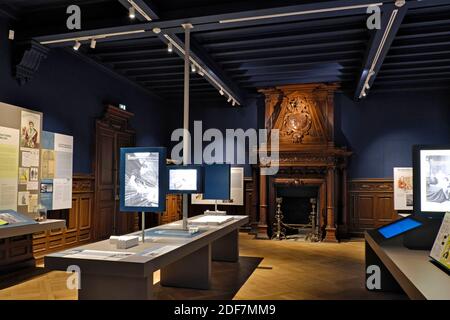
104 182
124 221
112 133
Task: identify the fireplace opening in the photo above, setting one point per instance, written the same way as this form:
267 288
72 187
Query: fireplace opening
297 206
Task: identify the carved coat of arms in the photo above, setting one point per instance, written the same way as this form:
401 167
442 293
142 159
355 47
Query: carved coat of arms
297 121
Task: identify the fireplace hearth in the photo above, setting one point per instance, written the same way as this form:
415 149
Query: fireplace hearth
310 165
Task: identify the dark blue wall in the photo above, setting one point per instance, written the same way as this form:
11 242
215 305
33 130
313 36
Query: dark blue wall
71 93
382 129
219 114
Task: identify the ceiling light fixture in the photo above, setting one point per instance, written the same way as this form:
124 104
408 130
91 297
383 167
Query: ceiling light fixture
229 99
234 103
132 12
169 47
139 10
92 36
77 45
371 72
297 13
221 92
93 43
196 66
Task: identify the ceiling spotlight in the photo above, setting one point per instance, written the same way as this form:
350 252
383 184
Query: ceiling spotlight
193 68
234 103
132 12
156 30
93 43
367 86
77 45
221 92
364 94
200 72
169 47
229 99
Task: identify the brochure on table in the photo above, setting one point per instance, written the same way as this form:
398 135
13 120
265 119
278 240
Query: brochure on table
10 218
56 171
236 191
441 249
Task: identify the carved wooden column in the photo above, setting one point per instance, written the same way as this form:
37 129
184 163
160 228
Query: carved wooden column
254 206
262 224
330 229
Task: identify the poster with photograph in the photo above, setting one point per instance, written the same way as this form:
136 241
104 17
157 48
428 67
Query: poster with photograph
24 175
403 188
23 198
142 179
30 129
435 180
56 171
9 164
236 191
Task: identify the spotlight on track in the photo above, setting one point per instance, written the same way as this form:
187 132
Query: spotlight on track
221 92
170 47
77 45
229 99
200 72
132 12
93 43
193 67
234 103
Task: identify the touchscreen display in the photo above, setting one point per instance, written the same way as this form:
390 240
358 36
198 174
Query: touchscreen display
399 227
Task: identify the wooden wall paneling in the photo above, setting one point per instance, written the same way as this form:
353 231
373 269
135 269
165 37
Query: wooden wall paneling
371 204
78 221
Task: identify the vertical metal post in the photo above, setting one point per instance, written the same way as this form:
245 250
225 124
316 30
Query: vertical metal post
186 141
143 226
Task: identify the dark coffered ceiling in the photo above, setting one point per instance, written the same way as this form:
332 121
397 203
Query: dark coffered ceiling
320 46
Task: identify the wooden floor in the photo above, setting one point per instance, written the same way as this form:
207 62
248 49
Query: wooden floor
266 270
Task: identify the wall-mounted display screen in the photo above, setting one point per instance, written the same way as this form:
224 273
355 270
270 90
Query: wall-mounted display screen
431 179
184 179
142 179
398 227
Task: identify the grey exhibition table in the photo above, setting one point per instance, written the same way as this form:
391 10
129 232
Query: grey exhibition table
12 230
183 261
411 270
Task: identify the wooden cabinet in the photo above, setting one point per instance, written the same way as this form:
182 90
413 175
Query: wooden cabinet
371 204
112 133
78 221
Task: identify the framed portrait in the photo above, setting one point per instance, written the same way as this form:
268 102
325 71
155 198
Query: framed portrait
431 179
143 179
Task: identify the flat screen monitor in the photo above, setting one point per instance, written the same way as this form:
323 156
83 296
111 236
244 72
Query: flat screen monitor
431 184
142 179
185 179
217 182
399 227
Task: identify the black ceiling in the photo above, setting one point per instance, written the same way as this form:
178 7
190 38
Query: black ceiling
317 48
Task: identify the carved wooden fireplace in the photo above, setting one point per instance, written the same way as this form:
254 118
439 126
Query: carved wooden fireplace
308 157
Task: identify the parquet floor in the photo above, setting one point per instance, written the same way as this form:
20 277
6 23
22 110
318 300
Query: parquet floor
267 270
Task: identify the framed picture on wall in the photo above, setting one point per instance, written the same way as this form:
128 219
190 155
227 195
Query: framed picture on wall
143 179
431 179
403 189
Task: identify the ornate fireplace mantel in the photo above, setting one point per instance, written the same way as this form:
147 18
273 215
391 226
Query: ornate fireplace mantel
304 116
